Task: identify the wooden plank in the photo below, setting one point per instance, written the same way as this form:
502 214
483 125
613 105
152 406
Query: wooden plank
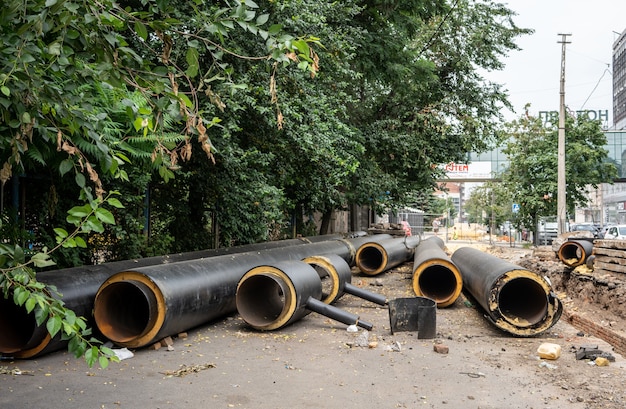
603 251
616 268
611 260
611 244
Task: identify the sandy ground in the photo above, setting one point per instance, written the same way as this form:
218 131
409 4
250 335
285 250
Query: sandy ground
317 363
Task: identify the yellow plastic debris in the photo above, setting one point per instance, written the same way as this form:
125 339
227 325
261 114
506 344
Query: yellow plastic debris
548 350
601 361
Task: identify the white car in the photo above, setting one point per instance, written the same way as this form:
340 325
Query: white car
616 232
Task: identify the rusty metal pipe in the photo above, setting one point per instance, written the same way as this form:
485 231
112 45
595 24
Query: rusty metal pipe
336 277
515 300
21 337
273 296
574 253
435 276
186 294
374 257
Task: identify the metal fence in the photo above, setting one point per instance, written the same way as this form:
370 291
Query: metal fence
420 222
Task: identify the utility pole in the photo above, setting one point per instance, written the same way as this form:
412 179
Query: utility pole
561 198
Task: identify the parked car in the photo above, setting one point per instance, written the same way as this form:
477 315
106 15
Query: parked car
586 227
605 229
616 232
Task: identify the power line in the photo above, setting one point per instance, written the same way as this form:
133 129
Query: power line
596 87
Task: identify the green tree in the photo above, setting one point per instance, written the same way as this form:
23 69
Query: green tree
422 99
490 205
532 173
397 92
68 70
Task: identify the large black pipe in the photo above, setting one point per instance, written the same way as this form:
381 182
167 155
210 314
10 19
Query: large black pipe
516 300
375 256
336 276
21 337
434 275
137 307
273 296
574 253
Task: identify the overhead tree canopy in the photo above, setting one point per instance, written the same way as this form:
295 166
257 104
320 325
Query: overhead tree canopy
300 106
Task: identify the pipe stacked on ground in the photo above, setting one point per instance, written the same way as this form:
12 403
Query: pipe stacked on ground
378 255
435 276
516 300
273 296
574 253
21 337
135 308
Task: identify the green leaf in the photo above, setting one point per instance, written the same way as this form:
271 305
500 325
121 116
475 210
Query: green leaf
262 19
18 255
5 90
41 313
302 46
103 361
93 224
54 324
115 202
50 3
66 166
42 260
275 29
22 297
30 304
138 123
141 30
186 100
80 211
26 118
54 48
192 61
91 356
80 179
80 242
105 216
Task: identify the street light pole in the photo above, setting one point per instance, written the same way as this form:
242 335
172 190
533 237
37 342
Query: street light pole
561 183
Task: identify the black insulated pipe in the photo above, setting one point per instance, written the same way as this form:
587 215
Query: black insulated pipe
21 337
336 277
270 297
375 257
434 275
574 253
176 297
516 300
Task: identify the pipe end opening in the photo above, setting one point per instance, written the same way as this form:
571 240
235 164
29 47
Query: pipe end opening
263 300
523 302
125 310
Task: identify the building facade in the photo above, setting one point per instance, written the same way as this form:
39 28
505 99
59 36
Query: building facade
619 82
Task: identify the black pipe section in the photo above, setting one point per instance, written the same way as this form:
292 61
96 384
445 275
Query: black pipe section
516 300
374 257
270 297
414 314
20 337
336 277
137 307
434 275
358 242
337 314
574 253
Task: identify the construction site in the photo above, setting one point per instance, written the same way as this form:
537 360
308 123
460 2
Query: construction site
376 320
